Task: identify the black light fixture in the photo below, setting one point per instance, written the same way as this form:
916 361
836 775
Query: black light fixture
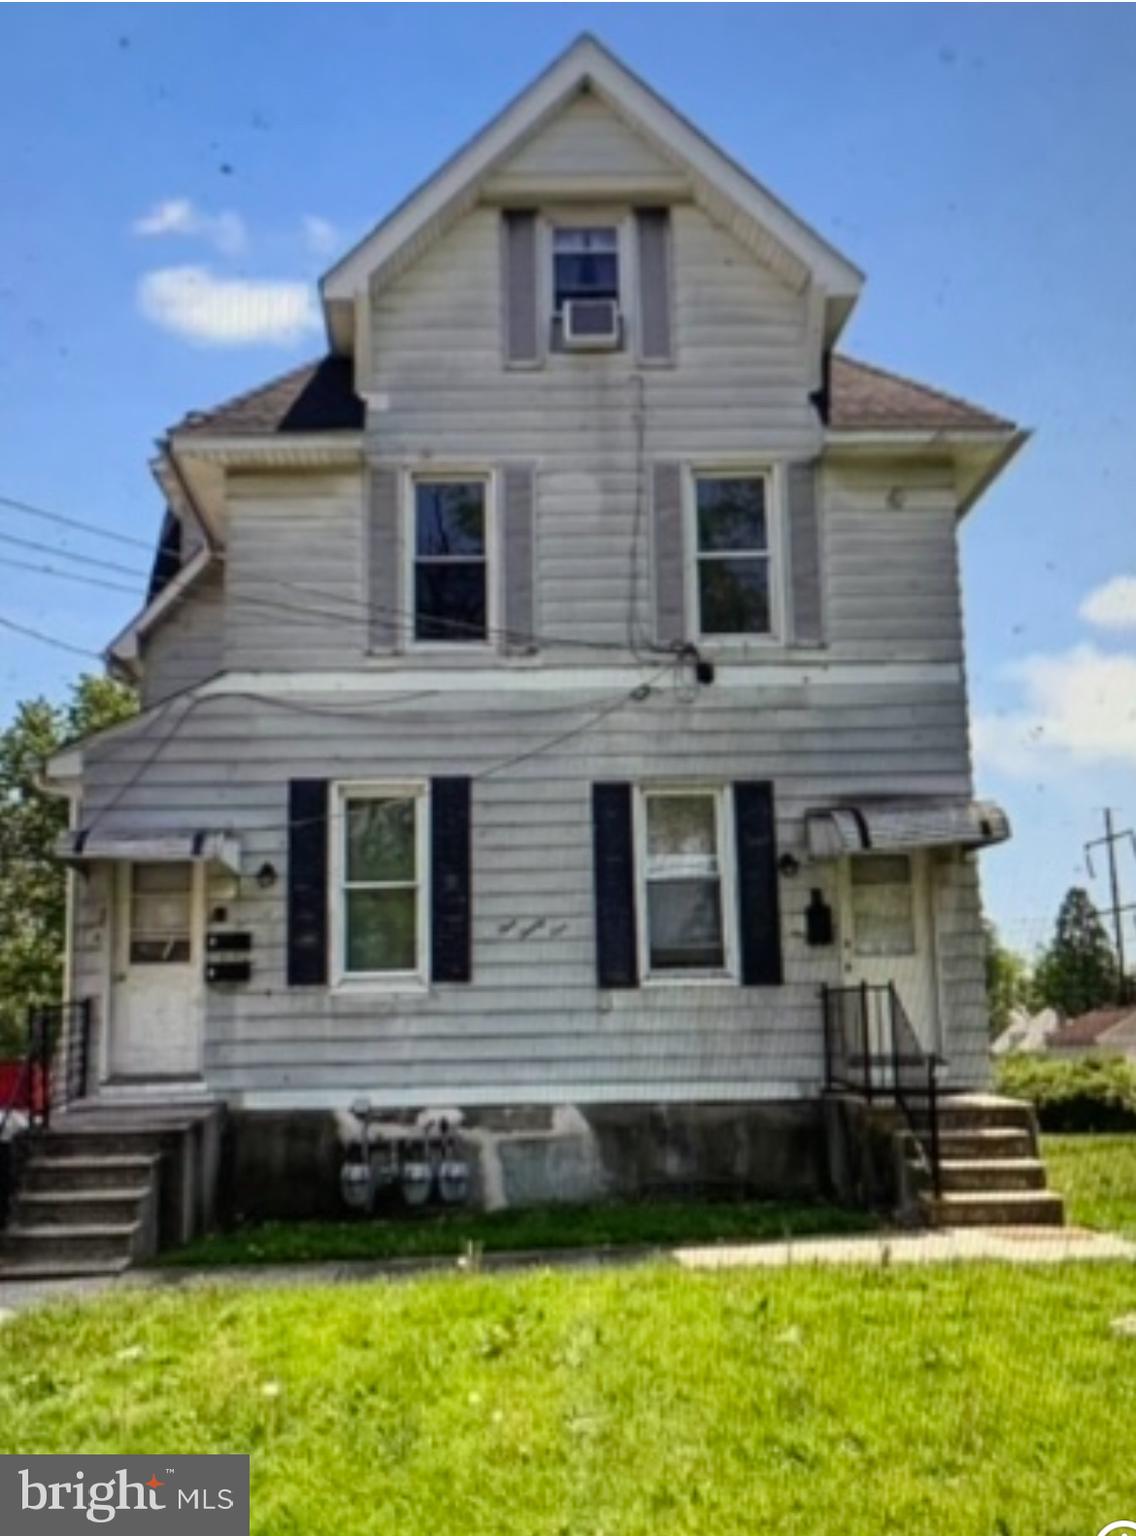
788 865
266 876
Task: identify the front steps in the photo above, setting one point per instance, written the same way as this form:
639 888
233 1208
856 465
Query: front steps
991 1171
107 1186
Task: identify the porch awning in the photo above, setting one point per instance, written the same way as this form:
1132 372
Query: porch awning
166 847
883 825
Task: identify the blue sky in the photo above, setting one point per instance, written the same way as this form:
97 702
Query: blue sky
975 161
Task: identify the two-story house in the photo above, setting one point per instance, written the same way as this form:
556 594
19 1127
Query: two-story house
547 693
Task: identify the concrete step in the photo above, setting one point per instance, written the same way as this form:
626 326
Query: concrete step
93 1143
989 1175
970 1112
1018 1208
80 1207
986 1143
12 1271
50 1246
43 1172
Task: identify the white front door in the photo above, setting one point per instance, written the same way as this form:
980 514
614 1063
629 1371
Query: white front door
157 1003
888 934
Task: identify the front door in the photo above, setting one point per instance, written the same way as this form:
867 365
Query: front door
888 934
157 1003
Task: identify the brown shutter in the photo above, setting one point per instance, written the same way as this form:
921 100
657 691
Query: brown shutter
805 569
384 550
653 227
669 554
519 547
519 307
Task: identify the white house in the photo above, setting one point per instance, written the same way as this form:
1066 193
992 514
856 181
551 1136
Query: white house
548 692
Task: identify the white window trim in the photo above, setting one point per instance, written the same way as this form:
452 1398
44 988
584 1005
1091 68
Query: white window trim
588 217
458 473
776 493
379 981
727 885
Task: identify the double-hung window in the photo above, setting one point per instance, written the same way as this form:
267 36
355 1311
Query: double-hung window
585 264
451 561
733 554
682 837
381 881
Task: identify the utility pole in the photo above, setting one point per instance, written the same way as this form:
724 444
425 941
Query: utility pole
1111 837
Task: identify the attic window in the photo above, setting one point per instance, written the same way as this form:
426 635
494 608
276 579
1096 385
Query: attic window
585 265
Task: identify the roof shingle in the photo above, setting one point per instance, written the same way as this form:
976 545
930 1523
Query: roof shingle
319 397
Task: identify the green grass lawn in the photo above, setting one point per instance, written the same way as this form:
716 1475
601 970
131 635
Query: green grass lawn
662 1222
967 1400
1097 1176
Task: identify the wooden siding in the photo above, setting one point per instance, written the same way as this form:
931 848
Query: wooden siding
532 1022
186 646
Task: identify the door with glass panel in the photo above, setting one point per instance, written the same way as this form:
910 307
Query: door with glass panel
156 1006
888 938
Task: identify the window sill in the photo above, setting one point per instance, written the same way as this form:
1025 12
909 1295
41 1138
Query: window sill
380 986
690 979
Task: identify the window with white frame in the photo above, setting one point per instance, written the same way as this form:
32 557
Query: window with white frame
381 881
733 554
451 562
683 871
585 264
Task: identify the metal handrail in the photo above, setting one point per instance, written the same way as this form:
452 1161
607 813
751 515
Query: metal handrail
55 1070
871 1048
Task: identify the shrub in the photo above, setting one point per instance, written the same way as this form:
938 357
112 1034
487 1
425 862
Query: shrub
1084 1094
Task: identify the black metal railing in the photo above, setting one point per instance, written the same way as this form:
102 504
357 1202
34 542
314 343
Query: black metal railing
871 1048
56 1067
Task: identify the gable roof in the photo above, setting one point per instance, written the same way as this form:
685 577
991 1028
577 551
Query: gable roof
759 218
866 398
320 397
316 397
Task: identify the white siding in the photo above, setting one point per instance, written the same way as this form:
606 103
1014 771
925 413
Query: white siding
187 644
586 139
532 1022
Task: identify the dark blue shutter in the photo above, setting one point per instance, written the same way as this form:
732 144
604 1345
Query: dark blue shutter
307 882
617 963
759 916
451 911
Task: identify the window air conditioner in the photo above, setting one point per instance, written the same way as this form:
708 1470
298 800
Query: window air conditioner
590 325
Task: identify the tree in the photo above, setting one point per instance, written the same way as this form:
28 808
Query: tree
1009 984
1078 971
32 881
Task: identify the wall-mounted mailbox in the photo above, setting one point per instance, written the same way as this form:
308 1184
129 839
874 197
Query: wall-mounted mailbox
228 971
819 927
228 943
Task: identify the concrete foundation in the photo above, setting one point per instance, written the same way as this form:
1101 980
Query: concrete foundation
286 1164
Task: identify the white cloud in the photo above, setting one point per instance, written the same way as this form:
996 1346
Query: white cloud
321 235
1113 605
228 312
1079 707
179 216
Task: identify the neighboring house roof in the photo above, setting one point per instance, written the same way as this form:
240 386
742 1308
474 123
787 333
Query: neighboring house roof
320 397
865 398
316 397
1090 1028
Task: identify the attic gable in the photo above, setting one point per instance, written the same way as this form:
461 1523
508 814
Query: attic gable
585 148
559 113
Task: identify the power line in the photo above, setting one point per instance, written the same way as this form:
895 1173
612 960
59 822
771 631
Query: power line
27 508
52 640
70 554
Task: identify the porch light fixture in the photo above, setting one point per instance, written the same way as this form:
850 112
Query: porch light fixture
788 865
266 876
